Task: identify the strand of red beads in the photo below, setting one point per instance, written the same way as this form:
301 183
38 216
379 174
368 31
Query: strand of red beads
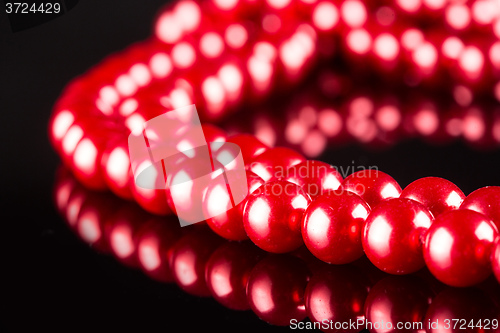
240 276
294 201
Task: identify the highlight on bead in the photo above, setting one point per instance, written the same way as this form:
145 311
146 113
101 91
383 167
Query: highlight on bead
171 152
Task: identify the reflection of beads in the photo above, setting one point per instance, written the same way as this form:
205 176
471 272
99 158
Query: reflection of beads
332 226
392 235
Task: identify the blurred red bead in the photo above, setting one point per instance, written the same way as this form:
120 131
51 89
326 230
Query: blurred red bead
458 247
372 185
86 162
273 215
315 177
273 163
393 233
332 226
486 201
116 168
152 200
437 194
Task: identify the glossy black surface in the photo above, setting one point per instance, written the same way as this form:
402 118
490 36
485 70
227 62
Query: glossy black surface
53 281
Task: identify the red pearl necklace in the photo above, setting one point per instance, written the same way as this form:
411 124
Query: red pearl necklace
267 47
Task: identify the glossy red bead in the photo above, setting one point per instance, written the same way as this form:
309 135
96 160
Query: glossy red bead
276 287
86 161
486 201
458 247
60 121
315 177
393 234
273 215
250 146
152 200
332 226
273 163
437 194
495 260
372 185
230 223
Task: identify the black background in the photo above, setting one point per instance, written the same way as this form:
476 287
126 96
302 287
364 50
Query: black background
50 279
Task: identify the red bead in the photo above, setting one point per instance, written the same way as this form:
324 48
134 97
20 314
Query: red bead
230 224
273 215
458 247
437 194
372 185
276 287
486 201
495 260
86 163
250 146
273 163
152 200
116 168
227 273
393 233
315 177
61 120
327 302
332 226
